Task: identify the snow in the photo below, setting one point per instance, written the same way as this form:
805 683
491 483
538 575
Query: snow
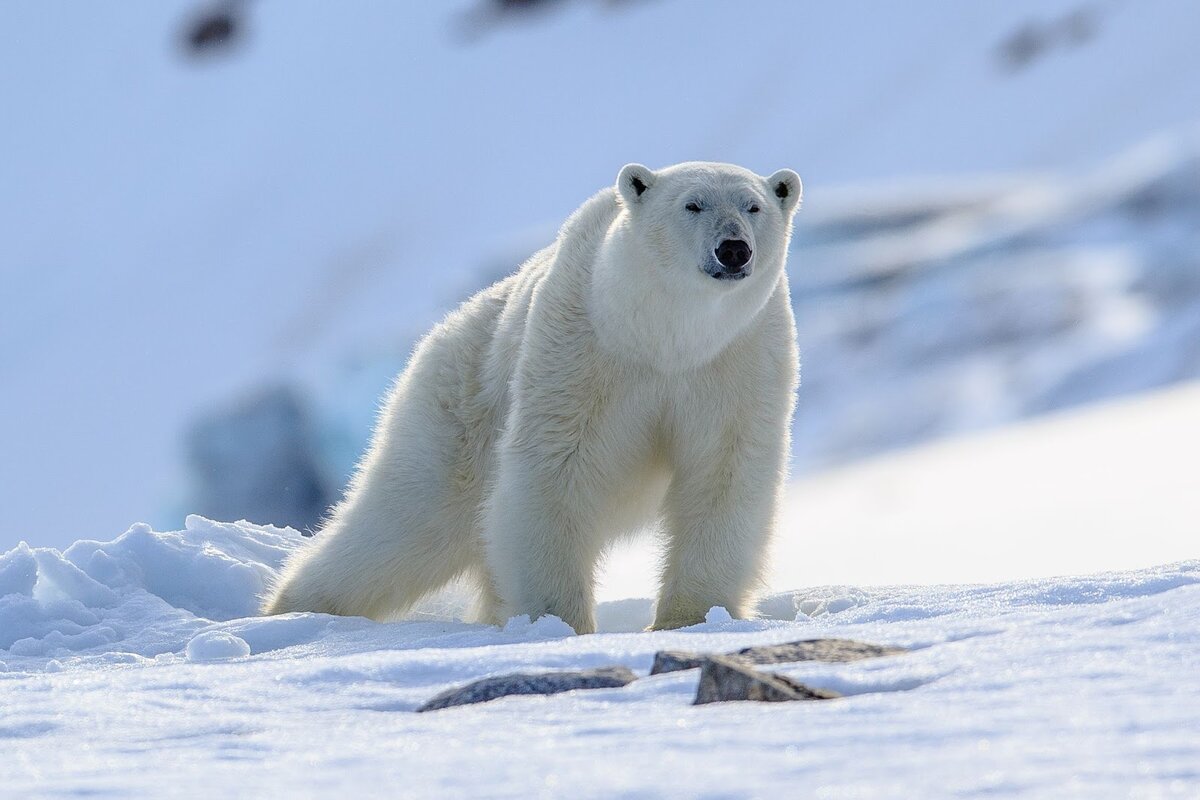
1066 687
926 311
979 244
717 615
544 627
216 645
135 667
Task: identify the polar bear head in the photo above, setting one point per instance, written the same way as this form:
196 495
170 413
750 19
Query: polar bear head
689 257
718 222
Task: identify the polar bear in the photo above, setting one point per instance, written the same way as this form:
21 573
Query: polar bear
639 370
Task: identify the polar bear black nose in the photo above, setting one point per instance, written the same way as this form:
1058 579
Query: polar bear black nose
733 254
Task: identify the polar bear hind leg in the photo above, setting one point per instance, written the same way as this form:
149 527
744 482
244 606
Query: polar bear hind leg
405 529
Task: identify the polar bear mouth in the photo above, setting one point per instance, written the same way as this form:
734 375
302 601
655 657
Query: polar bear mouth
732 276
715 270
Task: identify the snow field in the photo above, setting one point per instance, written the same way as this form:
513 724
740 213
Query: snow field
1055 687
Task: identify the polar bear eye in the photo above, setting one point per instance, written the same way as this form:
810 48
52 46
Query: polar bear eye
694 208
754 209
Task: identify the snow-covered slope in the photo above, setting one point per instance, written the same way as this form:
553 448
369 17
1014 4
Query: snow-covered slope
1108 487
930 310
130 670
132 667
173 231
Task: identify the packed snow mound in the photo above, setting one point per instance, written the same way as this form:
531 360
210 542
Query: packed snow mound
210 568
139 593
216 645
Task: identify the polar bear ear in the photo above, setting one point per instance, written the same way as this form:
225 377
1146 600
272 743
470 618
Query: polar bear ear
633 181
785 187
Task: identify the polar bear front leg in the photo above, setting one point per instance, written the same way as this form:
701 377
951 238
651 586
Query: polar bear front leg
542 540
720 513
544 518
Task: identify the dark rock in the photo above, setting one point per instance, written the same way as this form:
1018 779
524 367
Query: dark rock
724 679
675 660
485 689
838 650
817 650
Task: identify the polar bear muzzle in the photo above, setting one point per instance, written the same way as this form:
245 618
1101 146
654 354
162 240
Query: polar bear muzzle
733 260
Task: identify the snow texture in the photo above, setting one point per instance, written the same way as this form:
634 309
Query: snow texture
216 645
132 668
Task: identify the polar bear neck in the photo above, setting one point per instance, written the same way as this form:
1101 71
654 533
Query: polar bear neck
671 317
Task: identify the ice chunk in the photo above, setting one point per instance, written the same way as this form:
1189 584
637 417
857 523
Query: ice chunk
717 614
546 626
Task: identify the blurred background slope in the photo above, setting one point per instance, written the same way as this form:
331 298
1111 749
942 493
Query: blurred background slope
222 226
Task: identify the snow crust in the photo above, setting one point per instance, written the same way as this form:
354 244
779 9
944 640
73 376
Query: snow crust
132 667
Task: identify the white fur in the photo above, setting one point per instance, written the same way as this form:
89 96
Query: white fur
610 383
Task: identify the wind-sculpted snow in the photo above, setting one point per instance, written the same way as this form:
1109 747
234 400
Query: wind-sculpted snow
137 594
131 667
